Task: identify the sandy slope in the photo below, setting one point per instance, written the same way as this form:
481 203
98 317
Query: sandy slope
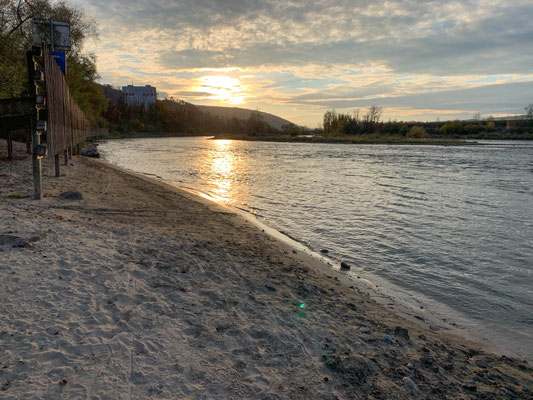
141 290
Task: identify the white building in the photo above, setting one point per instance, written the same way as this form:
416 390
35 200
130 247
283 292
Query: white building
137 95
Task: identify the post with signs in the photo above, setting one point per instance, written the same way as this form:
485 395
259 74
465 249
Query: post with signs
56 36
36 86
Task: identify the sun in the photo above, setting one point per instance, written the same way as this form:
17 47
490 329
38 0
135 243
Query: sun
224 88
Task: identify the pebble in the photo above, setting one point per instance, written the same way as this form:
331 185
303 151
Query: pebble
324 251
526 389
270 287
434 328
410 385
306 288
345 266
388 338
366 331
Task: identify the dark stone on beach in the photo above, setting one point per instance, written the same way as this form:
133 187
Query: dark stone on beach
345 266
410 385
37 238
434 328
366 331
470 386
90 152
401 332
526 389
270 287
294 251
305 288
388 338
71 195
6 385
13 241
324 251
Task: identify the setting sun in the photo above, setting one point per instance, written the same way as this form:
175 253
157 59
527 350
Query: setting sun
224 88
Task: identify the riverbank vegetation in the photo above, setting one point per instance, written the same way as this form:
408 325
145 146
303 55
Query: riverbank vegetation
339 125
369 128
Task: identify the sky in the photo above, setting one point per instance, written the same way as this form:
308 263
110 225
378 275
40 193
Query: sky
419 60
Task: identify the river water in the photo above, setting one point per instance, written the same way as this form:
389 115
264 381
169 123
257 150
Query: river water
446 230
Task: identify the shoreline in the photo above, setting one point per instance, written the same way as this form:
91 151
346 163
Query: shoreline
418 308
160 293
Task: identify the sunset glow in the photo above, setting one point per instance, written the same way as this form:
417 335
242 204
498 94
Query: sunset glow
299 59
224 88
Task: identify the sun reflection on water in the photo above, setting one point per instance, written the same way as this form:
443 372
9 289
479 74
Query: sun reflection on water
223 166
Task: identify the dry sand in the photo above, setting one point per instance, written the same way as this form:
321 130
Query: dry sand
144 291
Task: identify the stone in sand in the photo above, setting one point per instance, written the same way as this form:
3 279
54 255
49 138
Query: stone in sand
13 241
345 266
401 332
71 195
410 385
306 288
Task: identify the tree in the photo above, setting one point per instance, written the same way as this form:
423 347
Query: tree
529 112
16 37
374 114
330 121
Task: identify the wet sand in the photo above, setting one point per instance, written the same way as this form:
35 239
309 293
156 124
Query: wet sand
142 290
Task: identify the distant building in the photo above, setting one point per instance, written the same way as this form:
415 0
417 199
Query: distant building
137 95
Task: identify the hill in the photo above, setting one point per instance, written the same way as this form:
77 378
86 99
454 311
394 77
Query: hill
243 113
224 112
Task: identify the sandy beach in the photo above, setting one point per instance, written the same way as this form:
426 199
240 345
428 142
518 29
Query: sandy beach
140 290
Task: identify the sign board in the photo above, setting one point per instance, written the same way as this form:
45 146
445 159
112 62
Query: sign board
52 33
60 60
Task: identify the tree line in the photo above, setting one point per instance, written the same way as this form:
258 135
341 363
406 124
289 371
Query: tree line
356 123
170 118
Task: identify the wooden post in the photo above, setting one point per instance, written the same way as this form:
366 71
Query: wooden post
37 168
65 154
9 145
70 153
56 159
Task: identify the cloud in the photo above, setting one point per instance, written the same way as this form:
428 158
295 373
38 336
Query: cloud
333 53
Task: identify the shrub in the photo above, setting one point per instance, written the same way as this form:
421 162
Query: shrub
417 132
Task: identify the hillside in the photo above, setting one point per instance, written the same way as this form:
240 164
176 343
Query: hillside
243 113
225 112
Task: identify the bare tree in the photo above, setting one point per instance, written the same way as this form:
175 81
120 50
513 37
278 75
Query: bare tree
374 114
529 112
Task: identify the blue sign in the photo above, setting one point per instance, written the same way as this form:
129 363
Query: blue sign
60 60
